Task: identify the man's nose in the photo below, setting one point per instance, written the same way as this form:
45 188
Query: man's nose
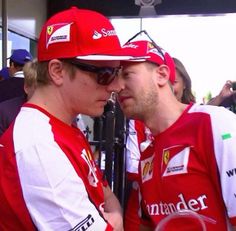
115 85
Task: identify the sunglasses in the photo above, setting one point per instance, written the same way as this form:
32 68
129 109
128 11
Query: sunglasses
105 75
159 49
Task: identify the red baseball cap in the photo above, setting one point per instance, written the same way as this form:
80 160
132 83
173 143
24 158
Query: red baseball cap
144 50
79 33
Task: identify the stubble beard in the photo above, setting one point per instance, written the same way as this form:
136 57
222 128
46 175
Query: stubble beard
143 106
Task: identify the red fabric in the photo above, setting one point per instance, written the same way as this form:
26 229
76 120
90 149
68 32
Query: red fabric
77 32
132 220
183 171
148 52
14 214
233 221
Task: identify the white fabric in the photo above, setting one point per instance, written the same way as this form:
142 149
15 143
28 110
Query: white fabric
224 136
132 149
19 74
54 194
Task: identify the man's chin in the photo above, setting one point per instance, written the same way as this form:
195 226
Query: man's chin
128 113
98 113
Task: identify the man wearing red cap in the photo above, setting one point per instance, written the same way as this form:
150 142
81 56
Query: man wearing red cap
49 180
188 170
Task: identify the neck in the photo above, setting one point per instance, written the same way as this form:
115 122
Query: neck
164 115
51 101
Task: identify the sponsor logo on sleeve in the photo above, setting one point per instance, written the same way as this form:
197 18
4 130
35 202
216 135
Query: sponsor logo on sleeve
226 136
231 172
84 224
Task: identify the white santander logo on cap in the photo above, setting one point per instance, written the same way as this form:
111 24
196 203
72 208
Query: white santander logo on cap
104 33
60 33
97 35
108 32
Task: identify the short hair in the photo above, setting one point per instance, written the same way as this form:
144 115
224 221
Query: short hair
151 65
43 77
42 73
16 65
30 73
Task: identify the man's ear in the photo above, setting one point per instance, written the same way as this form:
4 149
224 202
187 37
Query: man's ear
55 69
163 74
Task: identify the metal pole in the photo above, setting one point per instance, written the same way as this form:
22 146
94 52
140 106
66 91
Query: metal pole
120 157
4 33
109 146
141 23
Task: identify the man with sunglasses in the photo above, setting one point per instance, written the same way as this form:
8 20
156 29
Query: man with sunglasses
188 167
49 180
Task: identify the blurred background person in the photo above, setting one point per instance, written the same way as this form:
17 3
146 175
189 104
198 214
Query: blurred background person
10 108
17 61
182 85
226 97
14 86
4 73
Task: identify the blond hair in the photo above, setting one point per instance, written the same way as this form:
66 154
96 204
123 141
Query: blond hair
30 73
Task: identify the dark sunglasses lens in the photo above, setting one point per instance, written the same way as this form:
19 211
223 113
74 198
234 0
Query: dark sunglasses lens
106 76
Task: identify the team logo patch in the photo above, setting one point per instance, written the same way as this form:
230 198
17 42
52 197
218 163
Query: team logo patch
49 30
58 33
152 49
175 160
166 157
147 168
150 46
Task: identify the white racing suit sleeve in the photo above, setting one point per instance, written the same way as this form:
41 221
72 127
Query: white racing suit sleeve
132 149
55 195
224 136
